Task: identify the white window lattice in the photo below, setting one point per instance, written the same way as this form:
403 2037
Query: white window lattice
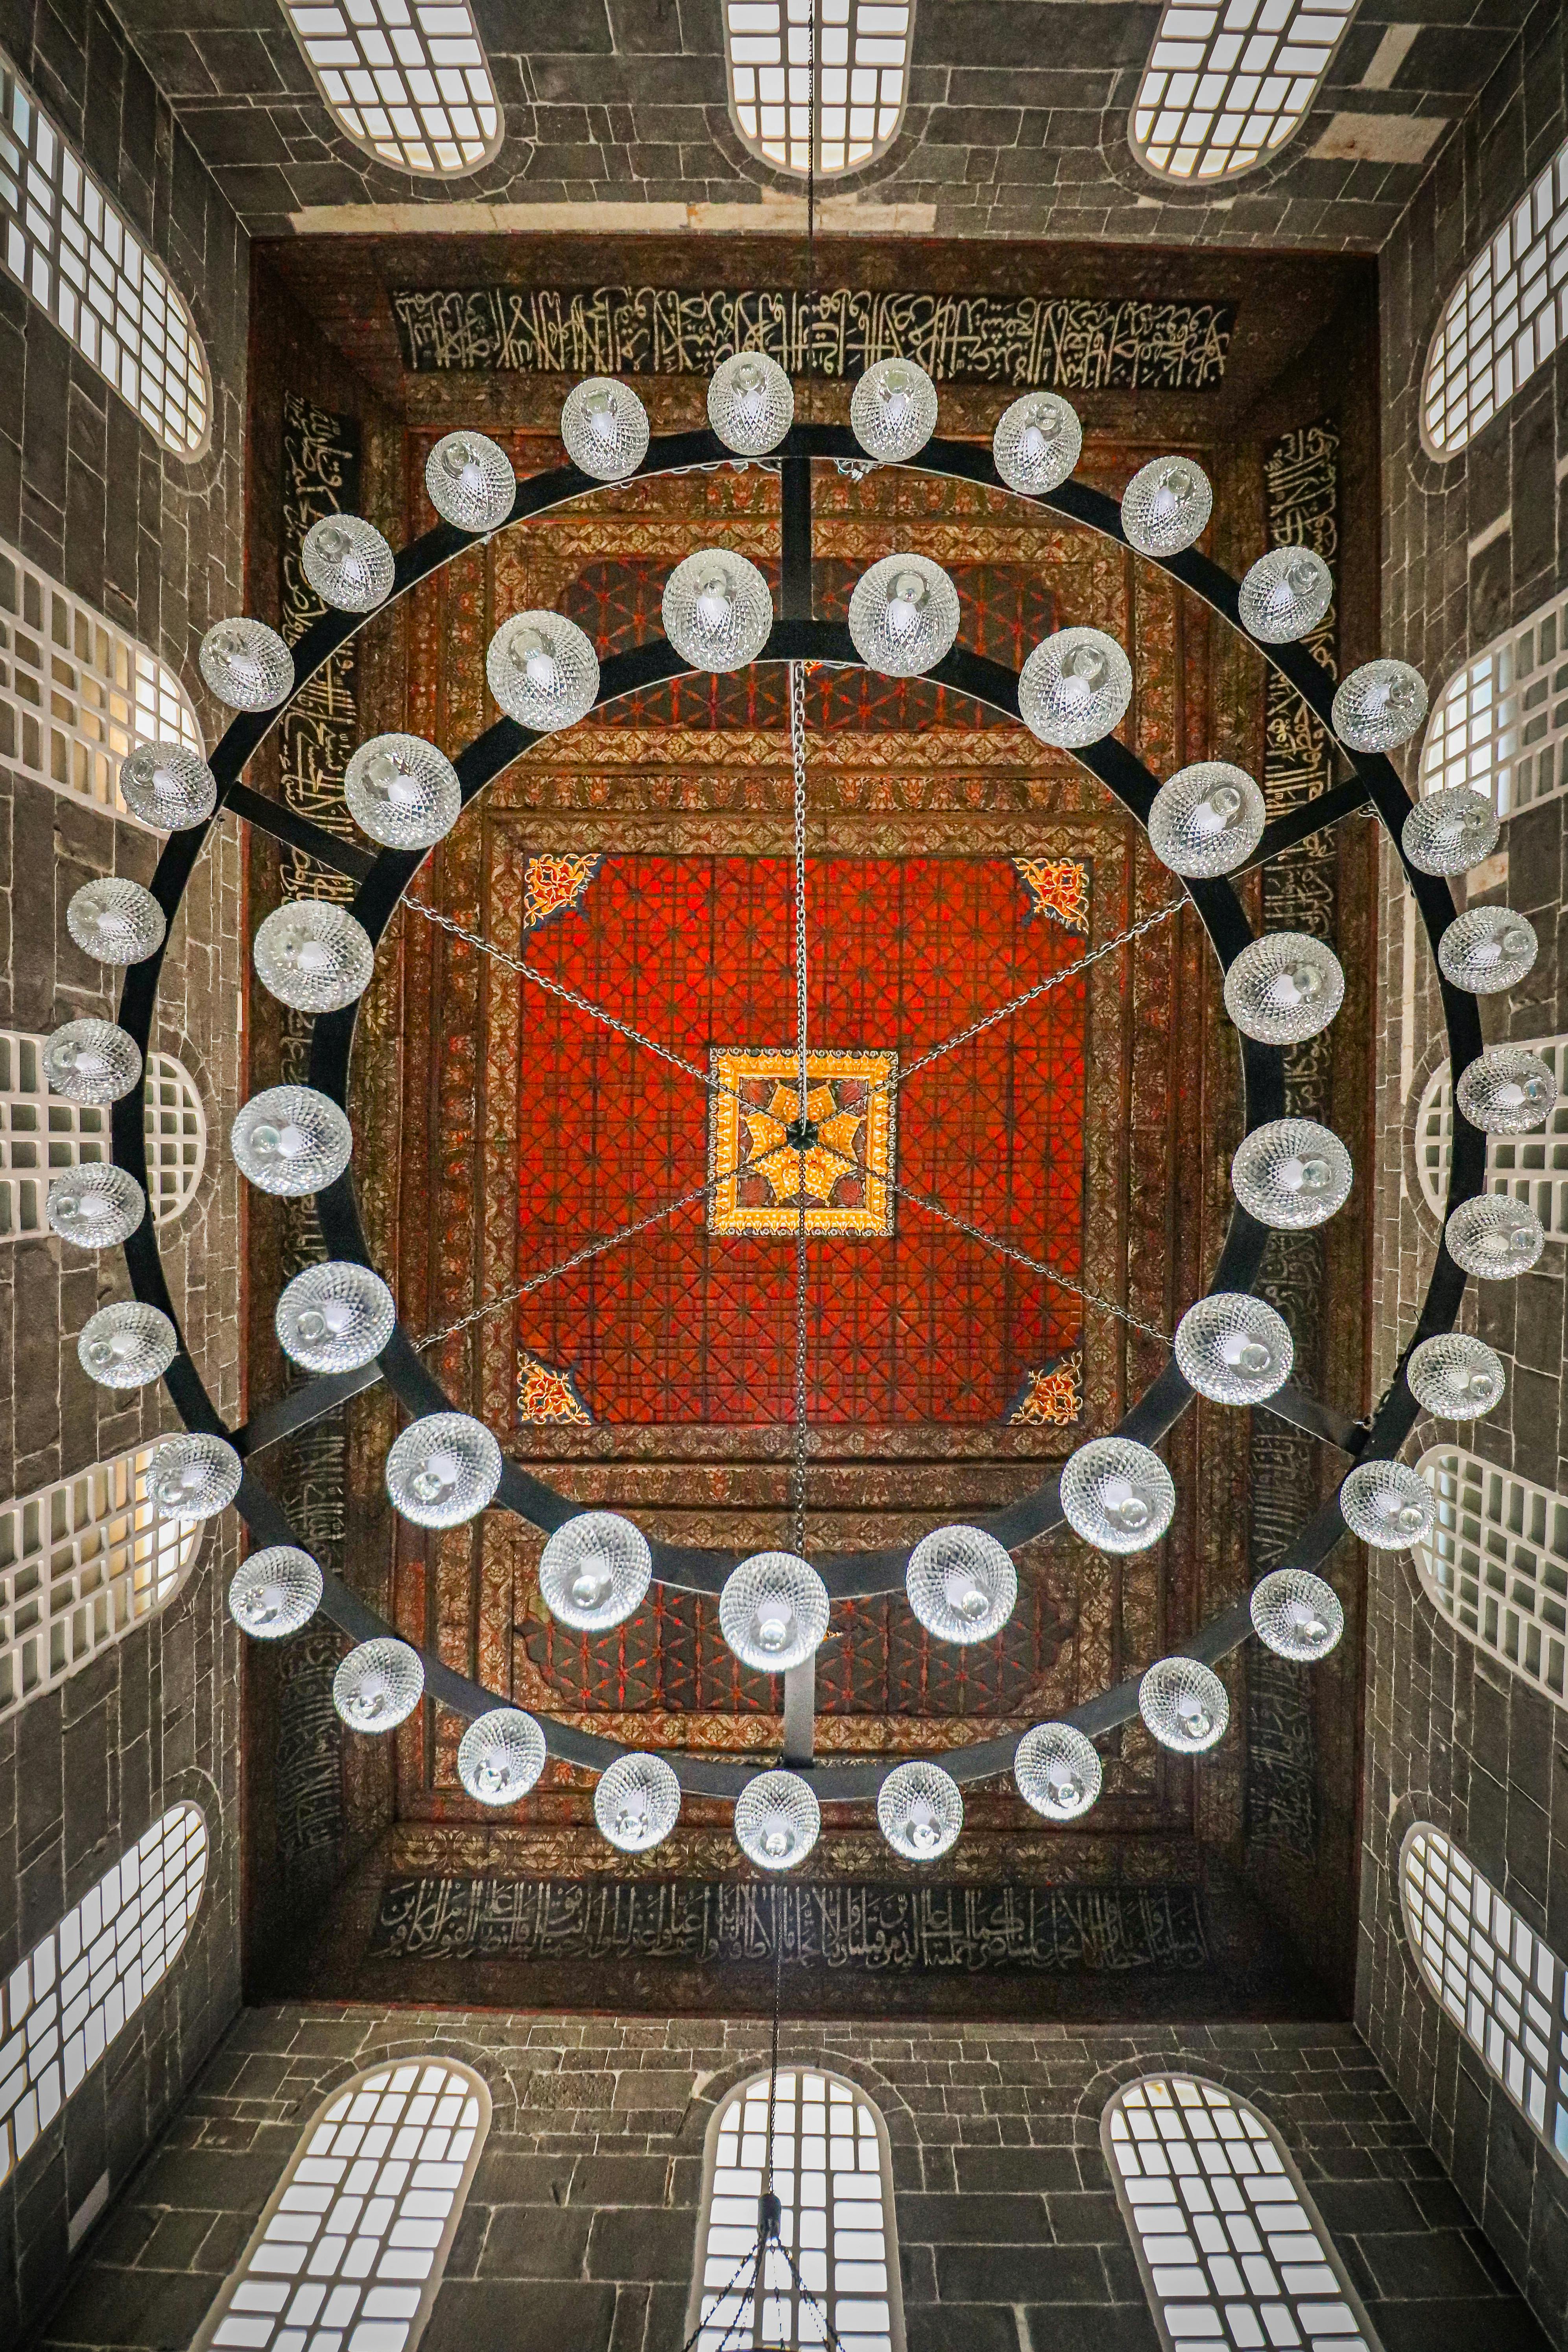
1221 2224
64 243
1226 86
1502 1986
1507 313
408 80
176 1129
69 1998
1496 1565
862 71
833 2181
352 2246
40 1133
1529 1167
77 693
1500 724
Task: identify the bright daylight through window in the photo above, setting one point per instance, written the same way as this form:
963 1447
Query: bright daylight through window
862 77
1500 724
1506 315
408 82
1227 86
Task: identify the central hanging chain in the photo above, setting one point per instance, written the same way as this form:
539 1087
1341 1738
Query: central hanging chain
806 1135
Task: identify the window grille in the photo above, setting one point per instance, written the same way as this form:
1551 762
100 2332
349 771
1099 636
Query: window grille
1229 2245
1491 1974
833 2179
1500 724
68 246
408 80
1434 1138
1496 1565
40 1133
75 1990
176 1137
1505 316
1529 1167
1226 86
862 78
351 2249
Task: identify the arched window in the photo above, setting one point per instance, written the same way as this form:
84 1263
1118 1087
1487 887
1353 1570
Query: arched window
1229 2244
1496 1565
408 80
176 1129
1491 1974
352 2246
1507 314
862 78
1529 1167
1226 85
40 1133
1500 724
68 248
834 2183
67 1999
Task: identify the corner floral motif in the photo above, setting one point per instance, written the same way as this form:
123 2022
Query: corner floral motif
1057 886
1051 1398
553 883
546 1393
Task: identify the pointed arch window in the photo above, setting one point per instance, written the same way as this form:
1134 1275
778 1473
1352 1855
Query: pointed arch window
1228 85
408 80
1496 1564
1530 1168
862 76
1500 723
1503 320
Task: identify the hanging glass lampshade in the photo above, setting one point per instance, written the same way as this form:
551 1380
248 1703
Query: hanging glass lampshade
750 403
1507 1090
469 481
1494 1238
290 1140
91 1061
275 1592
1450 830
126 1345
1206 820
594 1571
167 786
1387 1504
1184 1706
1166 506
1291 1173
313 955
1074 688
1117 1494
1284 593
443 1469
1057 1772
1379 706
1456 1376
543 671
115 922
772 1612
1296 1615
402 792
961 1584
903 615
500 1756
96 1205
192 1476
1488 949
892 411
920 1810
378 1684
1284 987
347 562
334 1318
778 1819
1234 1348
1038 443
717 613
636 1802
604 427
247 664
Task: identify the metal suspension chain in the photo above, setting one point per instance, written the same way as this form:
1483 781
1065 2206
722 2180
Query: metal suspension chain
799 1437
1036 1264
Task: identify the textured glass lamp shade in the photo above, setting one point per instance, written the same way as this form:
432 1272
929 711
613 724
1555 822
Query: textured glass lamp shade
892 411
1166 506
192 1476
126 1345
636 1802
247 664
778 1819
313 955
594 1571
1507 1090
443 1469
1284 987
91 1061
1488 949
543 671
379 1684
96 1207
1184 1706
500 1756
903 615
290 1140
334 1318
920 1810
1074 688
402 792
471 481
1208 819
115 922
1233 1348
1450 830
961 1584
1379 706
717 609
275 1592
167 786
1057 1772
750 403
347 562
1297 1615
1117 1494
1284 593
1493 1238
604 427
1291 1173
1456 1376
1387 1504
772 1612
1038 443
